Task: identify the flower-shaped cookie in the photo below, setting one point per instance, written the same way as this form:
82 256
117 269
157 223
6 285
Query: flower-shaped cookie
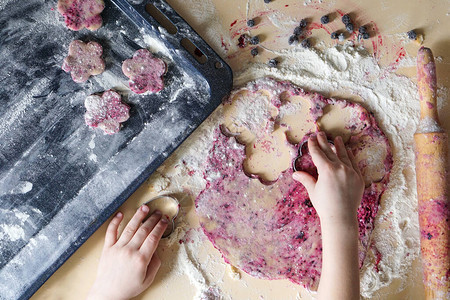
106 111
145 72
79 14
84 60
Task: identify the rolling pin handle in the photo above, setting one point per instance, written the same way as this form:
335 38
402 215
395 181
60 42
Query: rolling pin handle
426 81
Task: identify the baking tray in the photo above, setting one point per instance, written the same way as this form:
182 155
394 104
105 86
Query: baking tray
59 179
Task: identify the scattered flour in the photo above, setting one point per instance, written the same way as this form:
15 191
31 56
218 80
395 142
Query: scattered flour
93 157
12 232
92 142
22 187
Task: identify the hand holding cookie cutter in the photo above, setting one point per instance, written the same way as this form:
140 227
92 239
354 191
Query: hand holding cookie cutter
169 207
300 152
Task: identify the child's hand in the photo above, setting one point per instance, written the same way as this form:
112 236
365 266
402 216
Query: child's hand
336 196
129 264
338 191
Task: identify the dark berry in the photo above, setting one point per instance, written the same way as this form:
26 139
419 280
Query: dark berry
251 23
362 29
301 235
334 35
412 35
305 43
273 63
242 41
303 23
254 51
349 27
254 40
298 30
365 35
292 39
346 19
325 19
267 1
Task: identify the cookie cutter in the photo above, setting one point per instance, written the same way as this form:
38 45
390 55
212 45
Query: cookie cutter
300 153
169 202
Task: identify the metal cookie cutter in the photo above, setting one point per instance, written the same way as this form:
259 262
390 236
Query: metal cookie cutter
169 207
300 153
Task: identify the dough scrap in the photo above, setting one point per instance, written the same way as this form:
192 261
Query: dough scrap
106 111
145 72
273 231
84 60
79 14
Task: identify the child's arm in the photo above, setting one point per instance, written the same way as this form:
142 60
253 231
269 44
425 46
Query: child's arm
336 196
129 264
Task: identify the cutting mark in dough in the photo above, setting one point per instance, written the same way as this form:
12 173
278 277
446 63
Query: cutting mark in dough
335 119
294 114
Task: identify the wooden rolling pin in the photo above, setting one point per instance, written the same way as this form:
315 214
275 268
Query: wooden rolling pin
431 171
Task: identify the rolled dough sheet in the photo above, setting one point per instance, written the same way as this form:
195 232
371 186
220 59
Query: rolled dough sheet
273 231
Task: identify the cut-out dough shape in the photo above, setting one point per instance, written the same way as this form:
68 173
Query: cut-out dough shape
106 111
273 231
145 72
79 14
84 60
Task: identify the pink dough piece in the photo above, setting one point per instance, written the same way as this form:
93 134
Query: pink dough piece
84 60
79 14
106 111
145 72
273 232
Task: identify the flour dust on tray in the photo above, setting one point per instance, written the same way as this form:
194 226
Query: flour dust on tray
106 111
274 232
79 14
84 60
145 72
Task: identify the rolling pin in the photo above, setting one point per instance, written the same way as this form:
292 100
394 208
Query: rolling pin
431 171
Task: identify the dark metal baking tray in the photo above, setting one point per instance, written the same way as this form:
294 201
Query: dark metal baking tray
59 179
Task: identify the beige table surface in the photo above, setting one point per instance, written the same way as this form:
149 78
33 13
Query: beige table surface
212 19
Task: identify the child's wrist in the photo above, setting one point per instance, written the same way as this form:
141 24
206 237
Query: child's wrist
97 293
339 224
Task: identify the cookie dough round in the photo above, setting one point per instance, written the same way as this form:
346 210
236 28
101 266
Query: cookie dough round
84 60
145 72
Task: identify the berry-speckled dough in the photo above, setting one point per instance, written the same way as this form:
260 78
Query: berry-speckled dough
145 72
84 60
79 14
272 231
106 111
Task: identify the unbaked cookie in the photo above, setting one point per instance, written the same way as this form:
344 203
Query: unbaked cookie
79 14
84 60
106 111
145 72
